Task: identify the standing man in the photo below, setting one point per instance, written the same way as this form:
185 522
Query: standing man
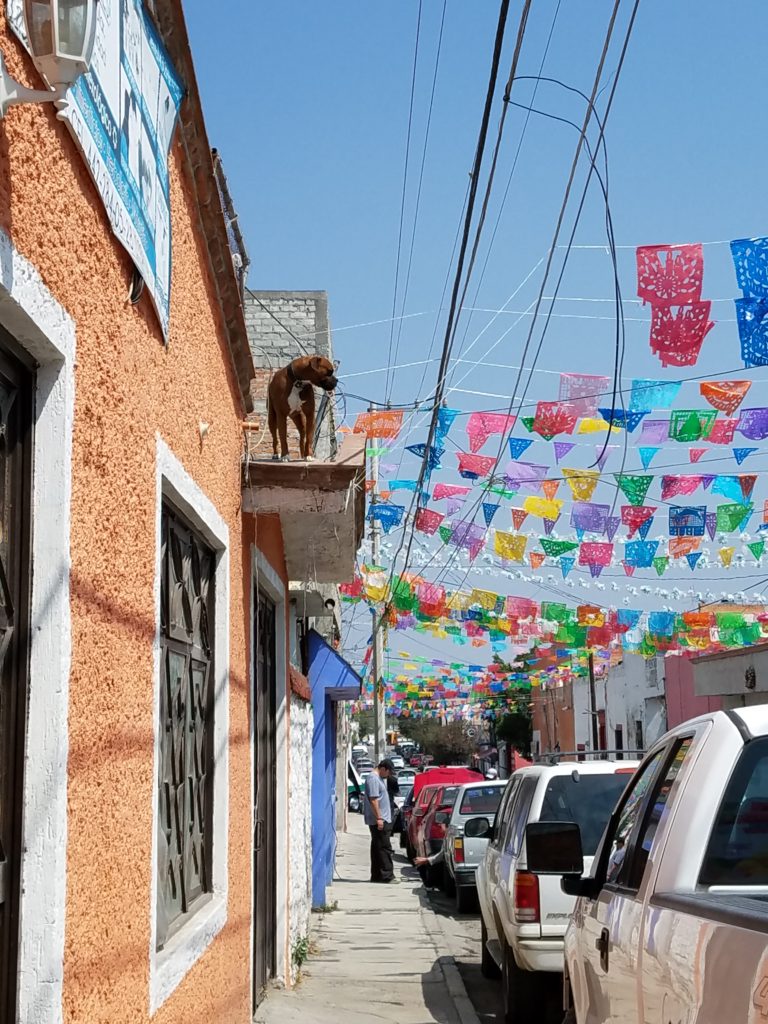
378 818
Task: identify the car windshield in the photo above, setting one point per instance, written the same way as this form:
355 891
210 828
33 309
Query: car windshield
405 791
481 800
586 799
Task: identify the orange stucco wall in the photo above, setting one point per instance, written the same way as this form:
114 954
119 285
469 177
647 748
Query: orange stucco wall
129 387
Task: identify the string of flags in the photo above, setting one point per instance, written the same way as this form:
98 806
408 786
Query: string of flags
479 618
583 489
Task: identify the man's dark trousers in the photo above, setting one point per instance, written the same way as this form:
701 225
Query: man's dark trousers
382 869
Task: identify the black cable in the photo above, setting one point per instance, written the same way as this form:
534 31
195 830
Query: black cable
418 191
511 174
474 183
494 161
277 320
561 216
403 197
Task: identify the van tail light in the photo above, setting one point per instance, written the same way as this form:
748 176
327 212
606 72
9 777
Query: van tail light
458 850
527 909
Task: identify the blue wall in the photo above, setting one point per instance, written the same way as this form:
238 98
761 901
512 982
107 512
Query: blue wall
331 680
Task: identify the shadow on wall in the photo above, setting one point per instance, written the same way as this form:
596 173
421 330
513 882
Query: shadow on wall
6 218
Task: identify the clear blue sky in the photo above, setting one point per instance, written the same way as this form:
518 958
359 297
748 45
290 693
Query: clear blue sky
307 103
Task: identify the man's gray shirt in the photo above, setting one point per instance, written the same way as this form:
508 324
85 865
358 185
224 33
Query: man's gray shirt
376 789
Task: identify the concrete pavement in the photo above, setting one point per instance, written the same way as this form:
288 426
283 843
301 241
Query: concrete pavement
379 957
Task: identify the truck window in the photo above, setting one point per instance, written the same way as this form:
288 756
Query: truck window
519 817
502 816
481 800
631 874
737 852
630 813
586 799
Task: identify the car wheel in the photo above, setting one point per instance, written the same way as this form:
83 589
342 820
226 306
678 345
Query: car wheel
488 966
465 899
520 990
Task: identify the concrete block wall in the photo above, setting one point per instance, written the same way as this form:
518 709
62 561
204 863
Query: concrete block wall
304 315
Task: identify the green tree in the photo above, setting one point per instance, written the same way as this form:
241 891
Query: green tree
448 744
364 722
515 727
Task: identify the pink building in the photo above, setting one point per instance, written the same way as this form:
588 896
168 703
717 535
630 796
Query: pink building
681 699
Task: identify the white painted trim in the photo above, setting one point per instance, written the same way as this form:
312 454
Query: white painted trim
168 967
40 325
265 577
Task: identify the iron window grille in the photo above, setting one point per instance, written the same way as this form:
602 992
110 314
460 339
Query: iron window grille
186 756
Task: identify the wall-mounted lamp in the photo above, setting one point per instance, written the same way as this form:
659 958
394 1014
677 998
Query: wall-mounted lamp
330 604
61 35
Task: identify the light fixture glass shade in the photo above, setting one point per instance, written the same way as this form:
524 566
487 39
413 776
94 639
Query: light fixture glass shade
61 36
72 26
37 14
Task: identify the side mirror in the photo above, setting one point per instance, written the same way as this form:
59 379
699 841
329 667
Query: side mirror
554 848
442 817
477 828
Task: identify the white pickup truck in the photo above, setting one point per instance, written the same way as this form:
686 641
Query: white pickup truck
671 924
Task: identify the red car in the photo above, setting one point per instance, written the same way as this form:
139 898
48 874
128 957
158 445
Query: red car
420 805
415 761
431 828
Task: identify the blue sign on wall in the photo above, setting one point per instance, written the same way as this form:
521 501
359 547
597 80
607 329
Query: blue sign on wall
123 115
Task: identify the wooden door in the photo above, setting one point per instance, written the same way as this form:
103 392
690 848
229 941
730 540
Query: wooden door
264 783
16 390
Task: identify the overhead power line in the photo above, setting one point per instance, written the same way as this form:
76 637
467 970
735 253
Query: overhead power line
473 190
404 190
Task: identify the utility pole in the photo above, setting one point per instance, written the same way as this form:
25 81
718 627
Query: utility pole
593 702
379 711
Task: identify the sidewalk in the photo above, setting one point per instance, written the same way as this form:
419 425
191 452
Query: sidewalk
377 958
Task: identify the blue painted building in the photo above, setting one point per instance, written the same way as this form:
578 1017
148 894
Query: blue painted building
331 680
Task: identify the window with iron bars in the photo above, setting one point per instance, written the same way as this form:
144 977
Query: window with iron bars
186 755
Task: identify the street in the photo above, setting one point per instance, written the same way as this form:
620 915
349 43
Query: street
462 942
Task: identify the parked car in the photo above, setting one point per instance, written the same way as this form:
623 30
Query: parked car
422 798
405 817
450 775
354 789
463 852
524 917
671 924
415 760
430 832
406 775
397 810
397 761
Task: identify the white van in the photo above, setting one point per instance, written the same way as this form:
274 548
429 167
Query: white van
525 916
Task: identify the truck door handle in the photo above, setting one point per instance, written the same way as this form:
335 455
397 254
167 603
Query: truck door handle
602 945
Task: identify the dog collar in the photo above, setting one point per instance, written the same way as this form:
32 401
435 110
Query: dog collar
291 375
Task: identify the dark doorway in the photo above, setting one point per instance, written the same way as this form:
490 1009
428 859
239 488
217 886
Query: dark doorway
16 405
264 783
618 735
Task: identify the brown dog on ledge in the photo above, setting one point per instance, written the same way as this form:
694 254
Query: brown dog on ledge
290 393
